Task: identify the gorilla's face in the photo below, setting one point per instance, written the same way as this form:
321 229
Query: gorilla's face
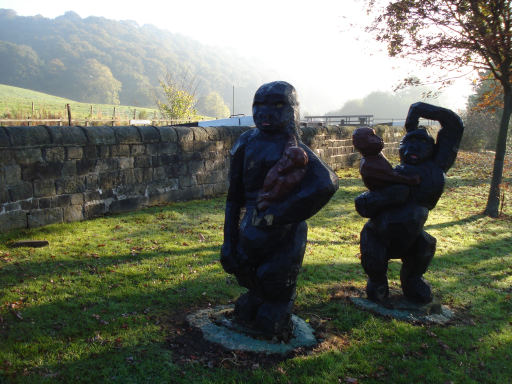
367 142
275 106
416 147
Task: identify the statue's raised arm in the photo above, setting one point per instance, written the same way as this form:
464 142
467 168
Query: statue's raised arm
449 136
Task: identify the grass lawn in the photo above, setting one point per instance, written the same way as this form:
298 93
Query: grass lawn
98 304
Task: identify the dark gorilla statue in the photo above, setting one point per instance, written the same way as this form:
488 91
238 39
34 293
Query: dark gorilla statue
264 249
397 213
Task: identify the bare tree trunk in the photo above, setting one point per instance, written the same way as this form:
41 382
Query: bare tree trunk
493 200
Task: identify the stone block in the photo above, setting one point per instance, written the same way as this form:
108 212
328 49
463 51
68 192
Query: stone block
67 135
94 209
74 153
149 134
137 149
90 152
11 174
125 162
185 134
4 139
143 175
91 182
77 198
45 202
129 204
168 134
100 135
214 133
27 156
44 187
85 166
73 213
29 204
159 173
121 150
13 220
28 136
42 170
68 168
54 154
6 157
4 195
61 201
105 165
103 151
21 191
142 162
209 177
161 187
70 185
195 166
167 148
127 135
108 181
9 207
127 177
92 196
40 217
185 181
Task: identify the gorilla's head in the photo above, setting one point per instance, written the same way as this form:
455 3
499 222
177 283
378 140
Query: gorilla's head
367 142
416 147
275 108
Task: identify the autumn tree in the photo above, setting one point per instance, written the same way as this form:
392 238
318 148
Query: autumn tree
212 105
449 35
179 91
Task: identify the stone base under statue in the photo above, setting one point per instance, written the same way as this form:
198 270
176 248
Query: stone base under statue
217 327
400 308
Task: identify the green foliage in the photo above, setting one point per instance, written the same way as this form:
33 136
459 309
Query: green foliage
99 305
107 61
213 105
180 97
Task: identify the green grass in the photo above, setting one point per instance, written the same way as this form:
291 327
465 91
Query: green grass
17 103
92 306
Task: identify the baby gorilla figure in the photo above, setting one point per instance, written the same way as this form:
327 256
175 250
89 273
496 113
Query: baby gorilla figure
375 169
284 176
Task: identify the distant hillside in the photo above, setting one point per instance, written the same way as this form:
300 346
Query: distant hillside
17 103
104 61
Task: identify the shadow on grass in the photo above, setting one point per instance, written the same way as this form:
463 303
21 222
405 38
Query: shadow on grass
447 224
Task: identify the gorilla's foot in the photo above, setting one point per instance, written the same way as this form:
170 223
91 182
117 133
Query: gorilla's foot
416 289
377 292
246 307
274 318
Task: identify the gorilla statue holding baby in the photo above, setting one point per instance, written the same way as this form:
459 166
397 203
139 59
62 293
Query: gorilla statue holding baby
398 212
276 182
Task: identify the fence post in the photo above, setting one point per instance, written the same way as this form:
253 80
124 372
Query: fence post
69 114
114 116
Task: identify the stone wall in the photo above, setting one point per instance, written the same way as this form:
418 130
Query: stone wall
64 174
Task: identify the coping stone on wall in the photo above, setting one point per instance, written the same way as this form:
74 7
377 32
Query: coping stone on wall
168 134
127 135
100 135
28 136
185 134
67 135
4 139
149 133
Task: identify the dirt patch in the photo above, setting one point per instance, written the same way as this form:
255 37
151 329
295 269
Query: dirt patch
189 346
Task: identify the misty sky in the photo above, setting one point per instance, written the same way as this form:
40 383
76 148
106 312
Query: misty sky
311 44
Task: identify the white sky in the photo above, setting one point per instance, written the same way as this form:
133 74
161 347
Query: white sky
308 43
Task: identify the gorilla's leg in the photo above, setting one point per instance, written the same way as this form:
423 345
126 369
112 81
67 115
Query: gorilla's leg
414 265
374 260
277 279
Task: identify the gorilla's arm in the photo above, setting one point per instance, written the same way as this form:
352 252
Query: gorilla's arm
234 202
370 203
449 136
